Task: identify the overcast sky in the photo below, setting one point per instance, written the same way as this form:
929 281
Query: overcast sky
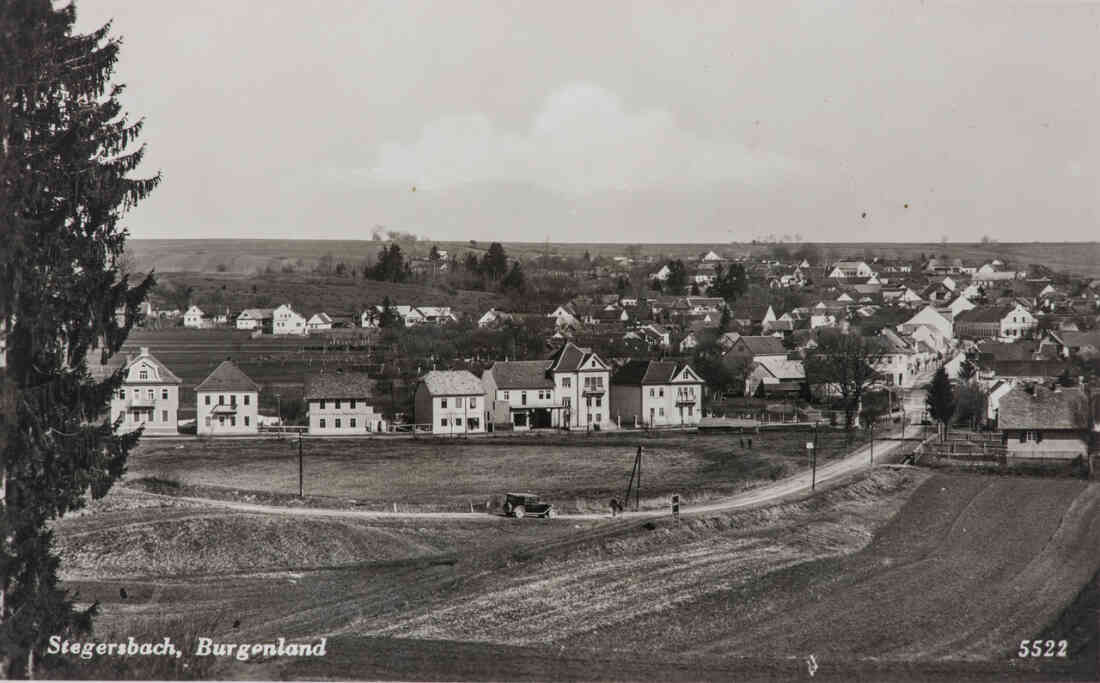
614 121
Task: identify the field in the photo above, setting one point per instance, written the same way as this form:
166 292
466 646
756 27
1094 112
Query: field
578 474
253 256
900 575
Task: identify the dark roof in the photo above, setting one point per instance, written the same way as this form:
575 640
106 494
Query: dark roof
569 358
1042 408
761 346
1028 368
227 377
339 385
521 374
645 372
984 314
1080 339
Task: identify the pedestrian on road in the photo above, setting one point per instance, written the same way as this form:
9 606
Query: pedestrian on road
614 507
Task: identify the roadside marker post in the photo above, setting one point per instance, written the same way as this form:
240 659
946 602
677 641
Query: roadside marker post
813 464
676 507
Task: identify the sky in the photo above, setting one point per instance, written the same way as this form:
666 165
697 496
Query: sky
614 121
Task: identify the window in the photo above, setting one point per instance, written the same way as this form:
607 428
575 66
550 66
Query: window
221 420
661 392
473 423
458 402
221 400
233 400
353 408
567 401
442 403
353 422
599 401
588 401
523 398
598 417
652 393
338 407
122 393
691 409
473 402
442 422
246 397
207 397
164 416
322 425
245 420
566 382
322 404
661 412
232 420
505 395
144 374
338 423
164 394
151 395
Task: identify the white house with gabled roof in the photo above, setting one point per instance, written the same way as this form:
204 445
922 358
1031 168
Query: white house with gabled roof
319 321
582 381
194 317
288 321
149 396
227 402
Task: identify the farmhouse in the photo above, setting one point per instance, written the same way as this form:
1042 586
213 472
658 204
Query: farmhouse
931 317
1038 423
193 317
656 394
776 377
994 322
757 348
227 402
1071 343
339 403
319 321
521 395
287 321
149 396
256 319
581 379
492 318
850 269
450 401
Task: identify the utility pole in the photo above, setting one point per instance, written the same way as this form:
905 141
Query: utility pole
813 461
872 443
301 486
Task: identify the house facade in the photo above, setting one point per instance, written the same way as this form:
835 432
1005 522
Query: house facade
227 402
256 319
149 396
656 394
339 403
288 321
193 317
1008 323
521 395
1042 424
850 269
776 377
319 321
582 381
451 401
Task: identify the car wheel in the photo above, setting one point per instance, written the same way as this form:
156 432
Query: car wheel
518 512
551 513
507 509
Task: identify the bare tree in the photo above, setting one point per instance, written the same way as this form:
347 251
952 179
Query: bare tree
845 362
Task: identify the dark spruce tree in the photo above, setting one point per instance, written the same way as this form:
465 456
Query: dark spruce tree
68 152
940 399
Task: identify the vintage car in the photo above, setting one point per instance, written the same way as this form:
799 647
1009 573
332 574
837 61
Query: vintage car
521 505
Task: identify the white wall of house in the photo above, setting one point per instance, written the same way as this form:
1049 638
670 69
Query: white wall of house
529 399
230 413
1017 323
671 404
287 321
193 317
143 399
1045 444
458 414
585 410
343 417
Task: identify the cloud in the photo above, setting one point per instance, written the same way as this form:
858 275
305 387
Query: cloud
582 140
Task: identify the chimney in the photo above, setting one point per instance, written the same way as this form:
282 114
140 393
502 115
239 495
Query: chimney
144 351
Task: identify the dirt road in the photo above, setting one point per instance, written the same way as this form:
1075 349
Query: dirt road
790 486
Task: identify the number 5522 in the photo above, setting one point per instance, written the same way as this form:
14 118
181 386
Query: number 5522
1043 648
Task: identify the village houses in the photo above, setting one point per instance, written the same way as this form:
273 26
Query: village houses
149 396
339 403
450 402
521 395
228 402
656 394
288 321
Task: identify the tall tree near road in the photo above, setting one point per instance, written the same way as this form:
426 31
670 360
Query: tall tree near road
67 157
846 362
940 399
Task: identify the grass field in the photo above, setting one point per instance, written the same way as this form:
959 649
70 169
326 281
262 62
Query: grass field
899 575
576 473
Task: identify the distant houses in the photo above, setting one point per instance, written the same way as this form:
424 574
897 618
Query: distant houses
194 318
256 319
450 402
1042 424
288 321
656 394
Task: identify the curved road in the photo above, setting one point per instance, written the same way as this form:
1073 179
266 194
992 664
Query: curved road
858 460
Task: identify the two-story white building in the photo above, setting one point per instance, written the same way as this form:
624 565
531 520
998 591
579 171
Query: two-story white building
521 395
582 381
451 402
194 317
656 394
288 321
149 396
339 403
227 402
